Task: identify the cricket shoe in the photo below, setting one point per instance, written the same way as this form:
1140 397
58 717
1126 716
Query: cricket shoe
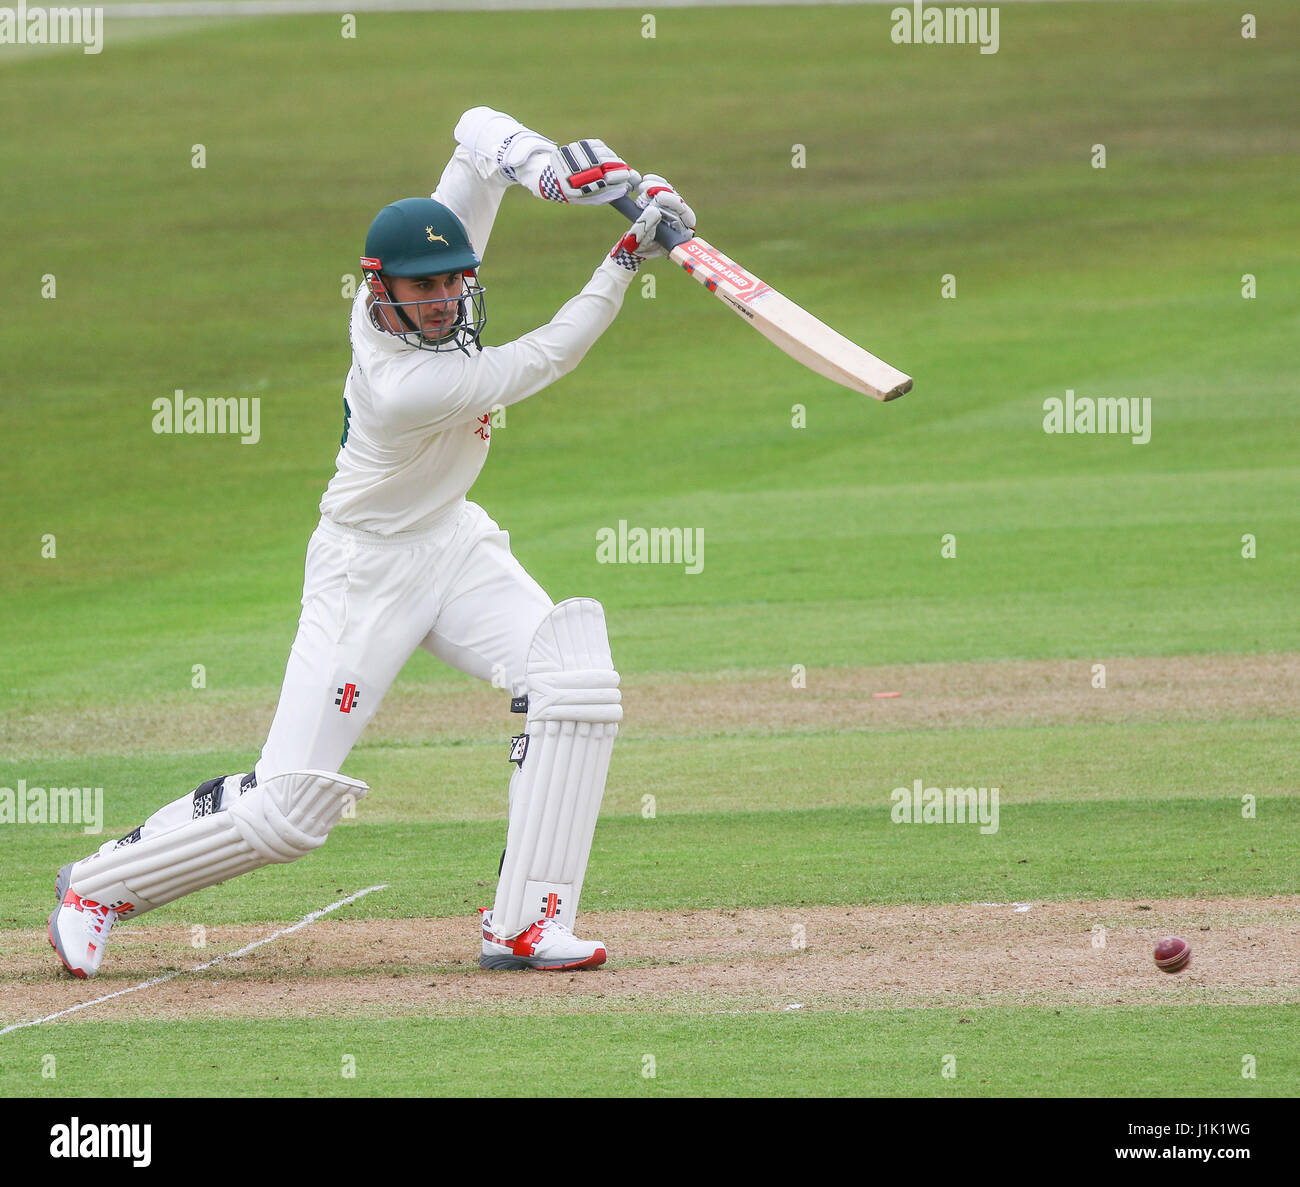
545 945
78 927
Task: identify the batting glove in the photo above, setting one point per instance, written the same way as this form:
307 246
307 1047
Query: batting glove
639 242
653 188
586 172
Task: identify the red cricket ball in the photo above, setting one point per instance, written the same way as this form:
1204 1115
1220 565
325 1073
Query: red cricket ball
1172 954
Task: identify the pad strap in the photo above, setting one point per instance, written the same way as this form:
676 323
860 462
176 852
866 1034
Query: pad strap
280 820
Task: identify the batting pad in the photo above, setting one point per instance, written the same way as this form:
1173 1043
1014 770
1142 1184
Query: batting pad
283 819
574 707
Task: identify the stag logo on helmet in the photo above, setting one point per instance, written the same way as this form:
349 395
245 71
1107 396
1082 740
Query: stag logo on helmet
432 238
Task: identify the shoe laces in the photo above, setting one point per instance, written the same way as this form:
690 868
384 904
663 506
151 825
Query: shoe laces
553 925
100 914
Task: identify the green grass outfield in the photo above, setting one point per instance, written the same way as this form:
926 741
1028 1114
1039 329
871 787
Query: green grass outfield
810 824
1169 1051
822 544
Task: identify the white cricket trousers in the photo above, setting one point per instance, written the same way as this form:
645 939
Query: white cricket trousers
368 602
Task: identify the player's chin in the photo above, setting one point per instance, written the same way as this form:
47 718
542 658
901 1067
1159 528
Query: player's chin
440 334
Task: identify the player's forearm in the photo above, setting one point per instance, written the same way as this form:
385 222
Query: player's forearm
438 391
553 350
586 172
488 144
473 192
501 146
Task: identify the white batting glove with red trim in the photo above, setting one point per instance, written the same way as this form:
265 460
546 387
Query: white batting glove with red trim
639 242
588 173
653 188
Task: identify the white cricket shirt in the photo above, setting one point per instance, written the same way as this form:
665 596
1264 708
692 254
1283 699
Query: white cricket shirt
418 429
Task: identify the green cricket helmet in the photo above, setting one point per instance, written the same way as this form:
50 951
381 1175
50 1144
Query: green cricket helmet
415 238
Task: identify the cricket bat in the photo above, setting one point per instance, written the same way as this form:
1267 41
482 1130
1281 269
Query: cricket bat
777 318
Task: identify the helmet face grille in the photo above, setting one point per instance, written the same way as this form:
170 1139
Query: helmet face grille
463 333
414 238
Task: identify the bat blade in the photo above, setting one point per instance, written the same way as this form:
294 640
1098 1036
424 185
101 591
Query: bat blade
803 337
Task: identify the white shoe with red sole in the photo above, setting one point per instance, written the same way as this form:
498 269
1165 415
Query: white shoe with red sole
78 928
545 945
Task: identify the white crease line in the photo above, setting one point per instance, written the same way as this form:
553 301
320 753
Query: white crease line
305 921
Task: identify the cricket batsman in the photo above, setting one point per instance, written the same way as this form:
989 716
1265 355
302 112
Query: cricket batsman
403 560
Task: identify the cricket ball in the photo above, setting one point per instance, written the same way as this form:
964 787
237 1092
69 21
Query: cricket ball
1172 954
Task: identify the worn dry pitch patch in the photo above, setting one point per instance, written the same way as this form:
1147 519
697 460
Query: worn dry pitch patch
1245 952
1005 692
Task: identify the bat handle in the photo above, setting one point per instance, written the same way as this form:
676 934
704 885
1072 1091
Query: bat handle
668 237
